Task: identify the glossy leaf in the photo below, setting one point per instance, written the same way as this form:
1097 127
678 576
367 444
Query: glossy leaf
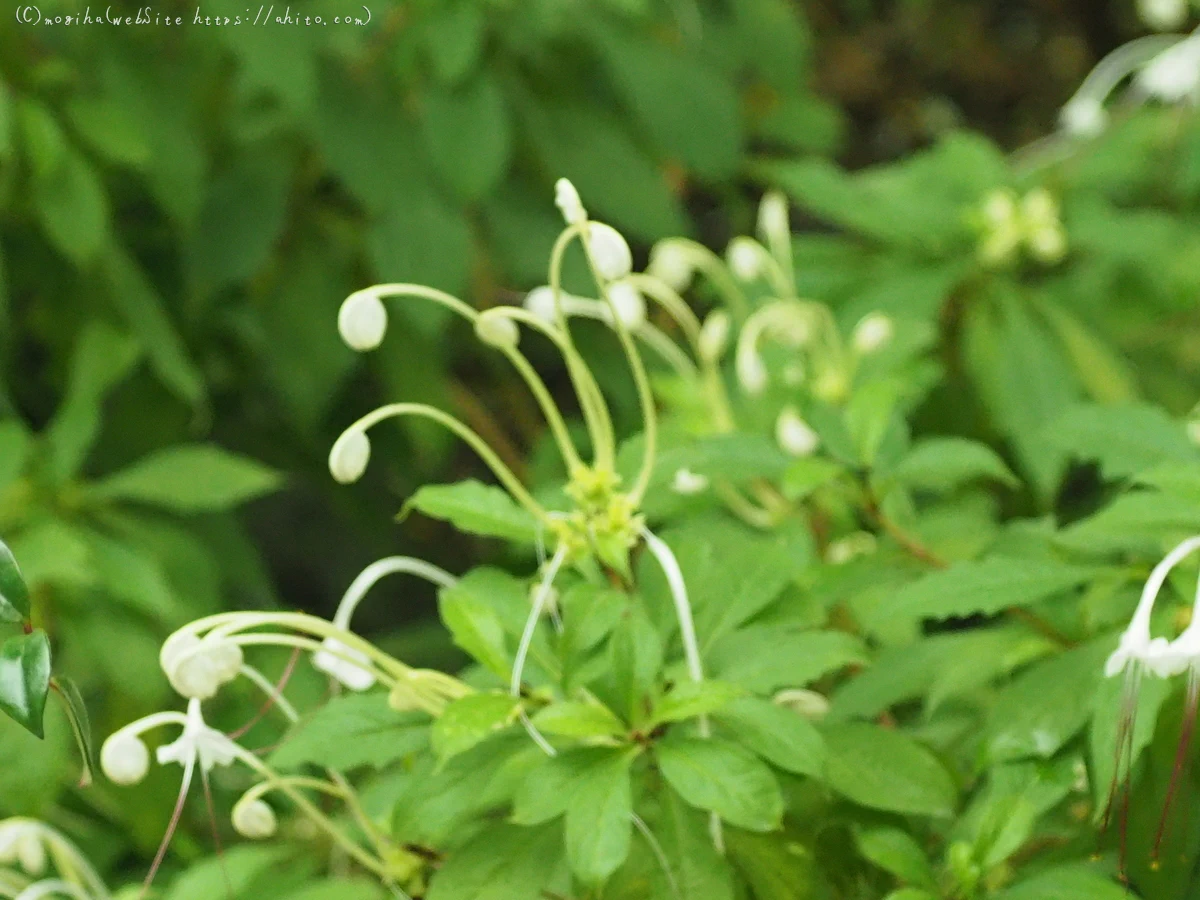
25 679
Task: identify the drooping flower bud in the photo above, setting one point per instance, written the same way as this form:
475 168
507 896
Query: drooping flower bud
124 758
497 330
347 665
714 335
349 457
21 843
566 198
872 332
794 435
254 819
687 483
672 264
773 216
1173 75
362 321
629 304
198 667
609 251
1163 15
745 258
1084 117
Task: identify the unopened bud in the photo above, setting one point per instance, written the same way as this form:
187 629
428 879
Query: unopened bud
362 321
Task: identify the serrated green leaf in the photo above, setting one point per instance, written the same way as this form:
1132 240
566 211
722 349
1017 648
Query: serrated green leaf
765 658
689 699
1135 520
716 775
25 679
635 656
780 736
192 478
468 721
476 508
500 863
1125 440
884 769
1066 883
351 731
943 464
984 587
579 719
599 822
14 593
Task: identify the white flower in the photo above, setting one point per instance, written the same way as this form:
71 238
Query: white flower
21 843
610 253
872 333
714 335
629 304
362 321
745 258
198 743
124 758
254 819
1084 117
347 665
1136 647
794 435
773 216
349 457
566 198
672 264
497 330
1163 15
198 667
687 482
1173 75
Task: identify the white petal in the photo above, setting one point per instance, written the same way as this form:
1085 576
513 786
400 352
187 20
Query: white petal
357 676
609 251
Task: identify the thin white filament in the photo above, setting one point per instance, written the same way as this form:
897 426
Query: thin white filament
541 595
374 573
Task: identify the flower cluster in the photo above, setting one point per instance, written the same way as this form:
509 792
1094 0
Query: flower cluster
1009 223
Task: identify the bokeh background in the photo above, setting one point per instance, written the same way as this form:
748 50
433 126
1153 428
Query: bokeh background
183 209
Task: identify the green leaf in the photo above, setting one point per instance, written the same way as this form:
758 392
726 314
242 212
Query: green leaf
351 731
1066 883
81 726
1047 705
468 721
884 769
808 474
700 873
579 719
1106 721
548 788
689 699
476 508
454 36
635 655
14 594
16 448
1125 440
25 679
985 587
599 820
1105 375
765 658
781 736
500 863
670 92
721 777
468 135
360 888
776 868
73 207
944 464
469 614
103 358
1141 520
191 478
241 868
895 850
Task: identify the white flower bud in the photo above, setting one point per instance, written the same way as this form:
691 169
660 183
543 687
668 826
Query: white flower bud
540 302
872 333
254 819
497 330
349 457
21 843
1163 15
773 216
1084 117
672 264
609 251
362 321
794 435
629 304
745 258
350 667
714 335
566 198
197 668
1048 244
806 703
687 483
861 543
1173 75
751 372
1000 208
124 758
